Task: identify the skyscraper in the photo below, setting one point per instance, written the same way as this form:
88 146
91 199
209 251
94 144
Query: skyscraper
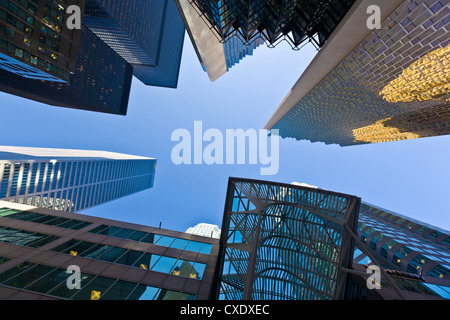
416 253
118 39
299 242
101 81
225 31
71 180
148 34
40 249
216 57
35 40
379 84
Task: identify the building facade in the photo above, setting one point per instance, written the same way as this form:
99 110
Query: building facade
300 242
101 81
223 32
40 249
216 56
35 41
118 39
71 180
416 255
284 242
375 85
149 35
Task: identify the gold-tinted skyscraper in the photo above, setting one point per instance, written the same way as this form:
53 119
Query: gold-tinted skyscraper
370 86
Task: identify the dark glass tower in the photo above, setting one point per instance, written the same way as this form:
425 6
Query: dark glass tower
415 254
148 34
223 32
35 41
101 81
118 39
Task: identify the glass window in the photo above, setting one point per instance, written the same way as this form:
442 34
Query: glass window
164 264
4 259
7 212
137 236
145 261
62 290
144 293
182 268
179 244
193 246
149 238
24 238
95 289
165 241
113 254
50 281
438 272
130 257
123 233
29 276
198 270
206 248
119 291
5 276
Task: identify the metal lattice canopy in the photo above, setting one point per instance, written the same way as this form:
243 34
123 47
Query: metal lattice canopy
282 241
296 21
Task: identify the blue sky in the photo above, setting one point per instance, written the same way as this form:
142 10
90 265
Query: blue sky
409 177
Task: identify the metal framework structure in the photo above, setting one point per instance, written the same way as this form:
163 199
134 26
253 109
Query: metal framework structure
296 21
285 242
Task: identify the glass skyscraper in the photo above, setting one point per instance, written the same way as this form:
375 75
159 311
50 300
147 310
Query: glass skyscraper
101 81
300 242
416 252
148 34
117 40
223 32
383 84
35 41
71 180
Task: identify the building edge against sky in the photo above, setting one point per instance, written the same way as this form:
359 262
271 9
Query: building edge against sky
371 86
71 180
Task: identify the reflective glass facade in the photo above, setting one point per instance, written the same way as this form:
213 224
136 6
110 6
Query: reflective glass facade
101 81
72 183
392 86
294 21
51 281
284 242
416 255
405 244
34 34
135 263
148 34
